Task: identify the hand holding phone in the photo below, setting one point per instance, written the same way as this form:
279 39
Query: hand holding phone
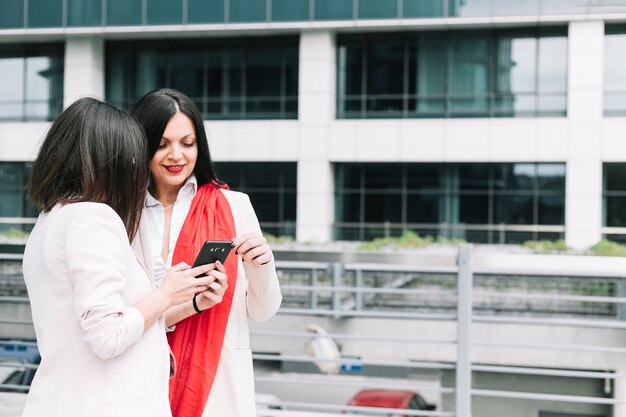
211 251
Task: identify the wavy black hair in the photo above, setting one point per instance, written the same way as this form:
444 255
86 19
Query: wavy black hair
154 111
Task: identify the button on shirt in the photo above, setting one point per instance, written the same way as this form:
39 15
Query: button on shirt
155 218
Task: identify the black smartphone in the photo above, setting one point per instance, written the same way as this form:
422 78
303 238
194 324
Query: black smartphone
211 251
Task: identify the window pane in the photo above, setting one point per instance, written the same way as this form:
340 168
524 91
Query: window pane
551 177
614 62
469 8
12 87
469 74
383 177
266 205
205 11
425 208
45 13
123 12
473 176
227 78
552 68
473 209
385 74
288 10
515 7
333 9
551 210
32 88
382 207
422 177
516 209
12 15
514 177
378 9
247 11
422 8
84 12
615 176
165 11
431 74
349 77
615 208
13 201
516 75
348 207
348 176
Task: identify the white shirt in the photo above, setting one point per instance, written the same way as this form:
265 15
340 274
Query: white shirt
155 218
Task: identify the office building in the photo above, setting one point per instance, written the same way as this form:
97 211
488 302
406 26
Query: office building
485 120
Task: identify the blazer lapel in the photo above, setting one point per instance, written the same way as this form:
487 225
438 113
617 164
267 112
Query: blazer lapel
141 248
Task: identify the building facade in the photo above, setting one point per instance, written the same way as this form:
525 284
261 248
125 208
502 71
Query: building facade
492 121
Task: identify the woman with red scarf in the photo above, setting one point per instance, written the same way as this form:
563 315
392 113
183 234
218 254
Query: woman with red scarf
187 205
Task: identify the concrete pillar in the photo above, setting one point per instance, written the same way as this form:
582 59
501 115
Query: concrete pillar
84 69
583 205
316 112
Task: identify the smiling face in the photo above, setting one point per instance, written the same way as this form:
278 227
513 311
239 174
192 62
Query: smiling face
175 158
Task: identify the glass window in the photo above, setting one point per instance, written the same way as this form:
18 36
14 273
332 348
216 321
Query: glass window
33 81
165 11
465 8
513 209
84 12
124 12
13 201
272 190
615 211
384 87
515 7
382 207
250 78
422 8
614 76
615 177
333 9
378 9
425 208
469 74
288 10
45 13
12 15
514 177
205 11
248 11
384 199
500 73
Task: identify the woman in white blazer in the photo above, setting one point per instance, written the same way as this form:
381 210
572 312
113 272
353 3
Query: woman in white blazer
96 311
186 205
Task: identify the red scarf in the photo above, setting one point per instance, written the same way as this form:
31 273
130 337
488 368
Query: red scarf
197 340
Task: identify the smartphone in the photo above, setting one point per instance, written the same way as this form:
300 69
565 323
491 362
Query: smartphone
211 251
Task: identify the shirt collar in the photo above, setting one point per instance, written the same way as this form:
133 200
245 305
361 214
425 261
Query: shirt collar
187 191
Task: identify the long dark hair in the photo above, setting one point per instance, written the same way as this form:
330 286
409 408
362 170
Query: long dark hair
93 152
154 111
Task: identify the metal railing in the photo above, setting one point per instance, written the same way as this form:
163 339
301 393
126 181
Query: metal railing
434 287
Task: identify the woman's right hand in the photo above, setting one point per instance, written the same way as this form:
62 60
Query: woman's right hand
180 283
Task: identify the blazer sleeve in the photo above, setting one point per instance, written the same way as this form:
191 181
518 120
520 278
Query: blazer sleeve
263 295
96 251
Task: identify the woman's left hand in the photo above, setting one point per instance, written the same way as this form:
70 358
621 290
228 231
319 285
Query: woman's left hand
253 248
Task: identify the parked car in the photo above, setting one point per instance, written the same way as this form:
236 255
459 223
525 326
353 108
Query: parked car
387 398
14 377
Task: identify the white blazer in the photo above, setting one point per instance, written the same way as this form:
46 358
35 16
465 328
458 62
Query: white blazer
257 296
96 359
